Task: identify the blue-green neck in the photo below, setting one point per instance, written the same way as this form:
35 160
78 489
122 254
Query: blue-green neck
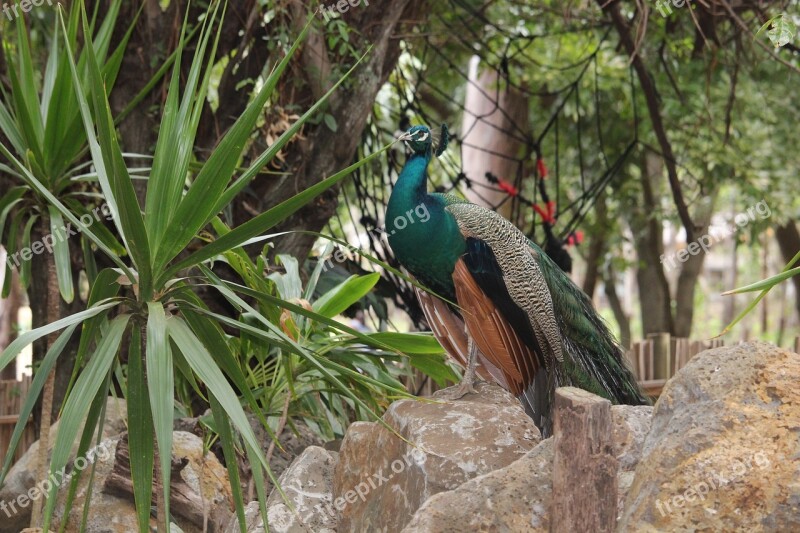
424 237
412 186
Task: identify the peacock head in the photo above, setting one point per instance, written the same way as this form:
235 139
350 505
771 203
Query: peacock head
421 139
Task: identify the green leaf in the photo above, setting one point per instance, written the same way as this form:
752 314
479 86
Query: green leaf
198 206
112 172
13 349
330 122
266 220
765 284
140 432
52 200
435 367
209 373
105 286
78 403
782 31
410 343
7 202
48 363
278 145
229 452
161 388
174 148
345 294
760 297
60 244
94 421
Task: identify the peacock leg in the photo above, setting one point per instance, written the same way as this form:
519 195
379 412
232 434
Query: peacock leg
467 382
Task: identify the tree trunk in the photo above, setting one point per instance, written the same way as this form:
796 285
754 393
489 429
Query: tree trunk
323 152
691 269
9 309
491 140
49 409
622 318
789 242
649 243
597 245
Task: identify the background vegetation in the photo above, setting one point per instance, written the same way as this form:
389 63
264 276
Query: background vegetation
232 143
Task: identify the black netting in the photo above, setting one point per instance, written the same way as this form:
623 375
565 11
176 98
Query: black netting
566 162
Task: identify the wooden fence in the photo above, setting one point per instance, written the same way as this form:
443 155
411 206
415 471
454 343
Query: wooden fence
12 394
657 358
660 356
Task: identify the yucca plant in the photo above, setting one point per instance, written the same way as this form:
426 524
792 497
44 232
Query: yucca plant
289 386
763 286
147 305
42 124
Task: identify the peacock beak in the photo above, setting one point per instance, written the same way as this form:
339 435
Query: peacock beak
407 136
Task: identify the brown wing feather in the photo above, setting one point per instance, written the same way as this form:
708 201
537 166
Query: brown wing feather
497 341
449 330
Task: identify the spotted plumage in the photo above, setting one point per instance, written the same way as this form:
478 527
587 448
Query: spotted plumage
509 313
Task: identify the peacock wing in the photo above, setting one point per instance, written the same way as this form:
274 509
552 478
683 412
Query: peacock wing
449 329
502 269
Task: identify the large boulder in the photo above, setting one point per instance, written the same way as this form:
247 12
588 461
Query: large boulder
22 476
514 498
308 485
723 452
518 497
199 485
381 480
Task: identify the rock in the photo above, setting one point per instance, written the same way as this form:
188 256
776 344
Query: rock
294 440
380 481
252 520
723 452
200 480
22 476
308 484
631 424
514 498
518 497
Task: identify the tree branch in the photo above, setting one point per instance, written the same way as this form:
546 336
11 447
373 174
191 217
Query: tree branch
651 97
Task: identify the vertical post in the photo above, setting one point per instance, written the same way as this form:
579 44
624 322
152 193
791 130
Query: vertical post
584 465
661 355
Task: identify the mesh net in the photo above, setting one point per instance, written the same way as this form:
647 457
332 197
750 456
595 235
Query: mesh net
566 159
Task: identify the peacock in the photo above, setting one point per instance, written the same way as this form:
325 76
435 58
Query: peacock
495 301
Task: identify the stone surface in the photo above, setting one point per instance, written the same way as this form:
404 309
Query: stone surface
308 484
723 452
22 476
202 475
518 497
380 480
293 441
630 426
252 520
514 498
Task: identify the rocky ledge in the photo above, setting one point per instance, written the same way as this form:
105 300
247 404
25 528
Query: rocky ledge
719 452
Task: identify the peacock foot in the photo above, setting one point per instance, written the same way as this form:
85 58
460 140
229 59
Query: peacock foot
457 392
